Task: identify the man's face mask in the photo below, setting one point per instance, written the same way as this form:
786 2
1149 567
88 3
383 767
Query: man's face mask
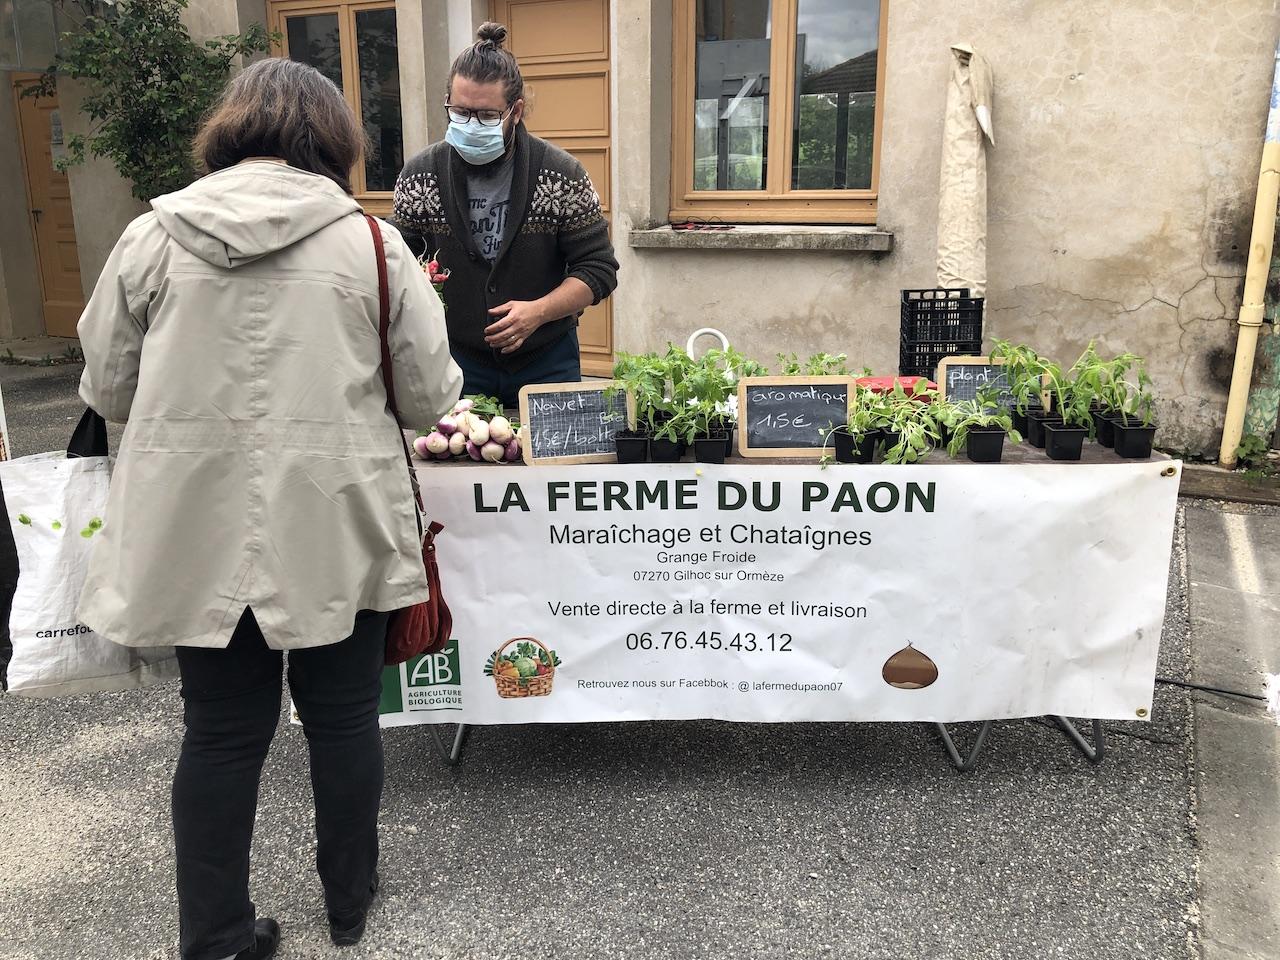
477 135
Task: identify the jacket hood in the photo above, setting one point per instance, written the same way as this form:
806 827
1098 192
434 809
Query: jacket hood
243 213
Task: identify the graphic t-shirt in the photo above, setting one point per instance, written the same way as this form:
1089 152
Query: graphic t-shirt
490 195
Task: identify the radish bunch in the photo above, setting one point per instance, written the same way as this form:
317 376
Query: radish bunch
476 428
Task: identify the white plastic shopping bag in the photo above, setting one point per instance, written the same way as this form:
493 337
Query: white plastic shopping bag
55 506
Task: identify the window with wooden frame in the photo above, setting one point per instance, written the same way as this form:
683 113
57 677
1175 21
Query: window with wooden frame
353 43
777 108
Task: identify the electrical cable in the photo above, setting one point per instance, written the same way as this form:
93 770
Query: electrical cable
1200 686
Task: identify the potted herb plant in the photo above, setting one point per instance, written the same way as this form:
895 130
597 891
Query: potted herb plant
1024 372
979 427
644 377
913 428
700 394
1072 415
855 440
1135 425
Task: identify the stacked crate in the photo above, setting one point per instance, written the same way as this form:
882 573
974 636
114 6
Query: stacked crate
938 323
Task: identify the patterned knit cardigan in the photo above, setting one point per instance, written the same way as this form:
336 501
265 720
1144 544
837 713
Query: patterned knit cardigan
555 229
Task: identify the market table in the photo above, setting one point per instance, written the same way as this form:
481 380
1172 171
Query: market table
765 591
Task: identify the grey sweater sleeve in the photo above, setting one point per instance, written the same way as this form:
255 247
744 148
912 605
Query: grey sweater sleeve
583 235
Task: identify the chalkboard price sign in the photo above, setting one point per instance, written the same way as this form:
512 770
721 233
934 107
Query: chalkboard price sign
788 416
960 378
572 422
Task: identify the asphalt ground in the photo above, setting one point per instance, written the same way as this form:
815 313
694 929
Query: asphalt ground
638 840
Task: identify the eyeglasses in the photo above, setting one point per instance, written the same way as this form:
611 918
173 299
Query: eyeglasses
486 118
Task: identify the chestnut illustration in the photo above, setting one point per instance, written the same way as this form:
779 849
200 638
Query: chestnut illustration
909 669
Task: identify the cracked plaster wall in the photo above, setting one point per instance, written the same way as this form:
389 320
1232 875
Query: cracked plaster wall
1120 193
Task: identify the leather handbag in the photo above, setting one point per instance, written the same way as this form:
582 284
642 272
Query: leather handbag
424 627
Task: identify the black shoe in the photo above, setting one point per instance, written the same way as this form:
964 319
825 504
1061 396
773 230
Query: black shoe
266 937
346 932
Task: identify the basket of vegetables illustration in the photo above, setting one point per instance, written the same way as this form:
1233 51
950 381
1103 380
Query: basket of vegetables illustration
526 671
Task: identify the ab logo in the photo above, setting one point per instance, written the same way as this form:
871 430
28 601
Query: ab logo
432 682
435 669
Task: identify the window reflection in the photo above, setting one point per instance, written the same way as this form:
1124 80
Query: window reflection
731 109
314 40
837 46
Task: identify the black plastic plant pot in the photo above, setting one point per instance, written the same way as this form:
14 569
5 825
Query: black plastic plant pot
728 443
1021 421
985 444
632 447
1133 441
1036 419
855 448
664 451
709 449
1104 428
1062 442
890 439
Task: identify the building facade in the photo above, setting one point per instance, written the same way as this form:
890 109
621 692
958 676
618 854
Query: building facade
1120 187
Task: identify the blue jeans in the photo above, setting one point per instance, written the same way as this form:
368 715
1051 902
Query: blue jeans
559 363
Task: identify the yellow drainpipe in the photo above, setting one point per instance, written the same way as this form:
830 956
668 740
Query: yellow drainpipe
1255 278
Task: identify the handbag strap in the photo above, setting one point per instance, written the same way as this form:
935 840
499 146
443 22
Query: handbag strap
388 378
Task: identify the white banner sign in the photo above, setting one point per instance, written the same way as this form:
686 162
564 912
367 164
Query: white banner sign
790 593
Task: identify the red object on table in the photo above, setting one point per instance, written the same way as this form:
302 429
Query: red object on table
885 384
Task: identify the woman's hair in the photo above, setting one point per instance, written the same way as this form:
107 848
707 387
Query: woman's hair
281 108
487 61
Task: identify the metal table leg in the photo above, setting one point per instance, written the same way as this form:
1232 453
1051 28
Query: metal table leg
450 756
1094 753
964 764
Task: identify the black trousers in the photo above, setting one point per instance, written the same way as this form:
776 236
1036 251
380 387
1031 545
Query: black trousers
232 705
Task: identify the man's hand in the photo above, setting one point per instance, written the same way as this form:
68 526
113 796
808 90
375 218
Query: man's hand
516 321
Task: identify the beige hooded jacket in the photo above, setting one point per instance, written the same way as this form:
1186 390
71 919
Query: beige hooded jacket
235 330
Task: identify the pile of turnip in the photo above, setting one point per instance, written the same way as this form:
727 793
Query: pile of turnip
475 428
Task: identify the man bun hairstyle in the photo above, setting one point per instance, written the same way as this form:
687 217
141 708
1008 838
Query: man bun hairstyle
488 61
492 33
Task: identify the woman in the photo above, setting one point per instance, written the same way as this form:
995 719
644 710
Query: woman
516 222
261 500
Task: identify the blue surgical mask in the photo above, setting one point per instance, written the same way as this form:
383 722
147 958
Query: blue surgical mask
475 143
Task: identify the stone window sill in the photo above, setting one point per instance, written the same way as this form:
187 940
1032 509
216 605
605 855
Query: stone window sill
767 237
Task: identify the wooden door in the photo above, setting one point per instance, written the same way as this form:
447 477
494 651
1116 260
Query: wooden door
563 50
49 203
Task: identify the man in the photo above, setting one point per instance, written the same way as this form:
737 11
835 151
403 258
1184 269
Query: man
516 223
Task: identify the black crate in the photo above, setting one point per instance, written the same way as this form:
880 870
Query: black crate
941 314
937 323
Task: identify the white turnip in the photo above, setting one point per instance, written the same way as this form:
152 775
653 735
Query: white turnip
420 447
443 456
462 406
500 430
446 425
493 452
463 422
479 432
473 451
437 442
457 443
512 450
